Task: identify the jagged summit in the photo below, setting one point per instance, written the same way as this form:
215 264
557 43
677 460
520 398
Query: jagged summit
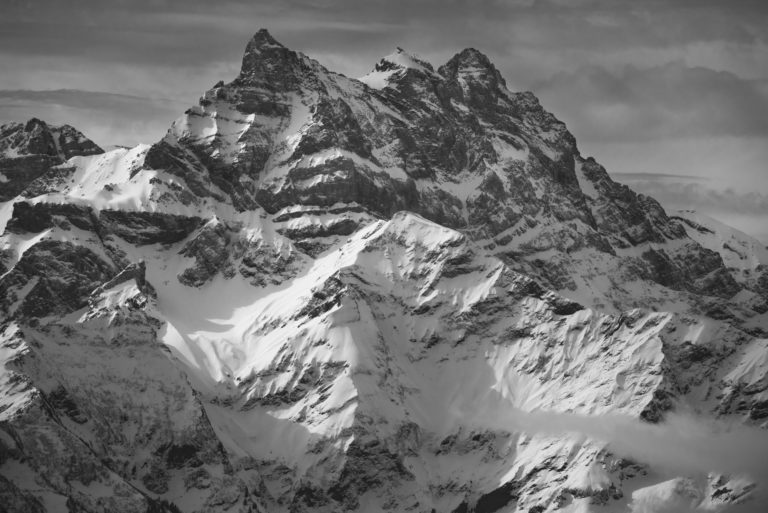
267 61
30 149
36 137
469 64
262 38
472 64
395 66
263 42
403 60
456 147
35 124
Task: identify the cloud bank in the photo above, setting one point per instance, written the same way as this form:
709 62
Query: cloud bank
683 445
104 117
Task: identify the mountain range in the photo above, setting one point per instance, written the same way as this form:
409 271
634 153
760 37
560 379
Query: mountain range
404 292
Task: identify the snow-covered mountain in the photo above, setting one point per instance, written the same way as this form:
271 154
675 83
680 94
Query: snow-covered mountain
408 292
744 256
27 150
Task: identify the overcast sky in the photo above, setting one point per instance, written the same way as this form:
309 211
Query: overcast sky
670 95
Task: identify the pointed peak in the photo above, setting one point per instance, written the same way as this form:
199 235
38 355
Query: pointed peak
269 62
471 61
262 40
473 54
35 123
36 137
471 58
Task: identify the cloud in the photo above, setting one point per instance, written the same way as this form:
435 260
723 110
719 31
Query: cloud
694 195
746 211
540 36
529 39
173 48
682 445
669 101
104 117
77 99
622 177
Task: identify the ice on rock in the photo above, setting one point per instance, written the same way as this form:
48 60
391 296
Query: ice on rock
393 65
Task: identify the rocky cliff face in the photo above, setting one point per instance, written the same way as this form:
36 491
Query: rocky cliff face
325 294
28 150
453 145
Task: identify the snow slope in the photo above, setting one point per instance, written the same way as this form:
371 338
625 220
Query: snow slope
739 250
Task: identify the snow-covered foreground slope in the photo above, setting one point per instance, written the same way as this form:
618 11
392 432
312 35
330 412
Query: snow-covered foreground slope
406 293
411 360
401 368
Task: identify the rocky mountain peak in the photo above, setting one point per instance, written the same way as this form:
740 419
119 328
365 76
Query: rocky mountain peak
28 150
30 138
395 66
36 137
35 124
262 40
266 61
473 65
401 59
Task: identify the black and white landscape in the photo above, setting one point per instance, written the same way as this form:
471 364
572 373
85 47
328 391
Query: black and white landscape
407 292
